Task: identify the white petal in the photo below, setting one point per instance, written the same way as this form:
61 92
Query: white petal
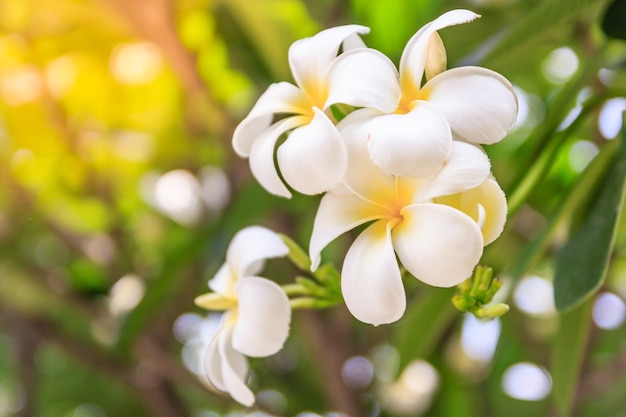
252 245
234 370
436 57
262 155
313 159
438 244
278 98
336 215
364 78
486 203
415 144
492 199
479 104
310 57
362 176
264 316
223 281
212 363
467 167
414 55
353 41
371 282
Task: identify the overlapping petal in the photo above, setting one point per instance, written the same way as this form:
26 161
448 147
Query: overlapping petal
212 363
313 159
371 282
262 155
467 167
280 97
310 57
415 144
363 178
489 198
438 244
479 104
234 367
222 281
264 316
336 215
250 247
415 53
492 199
364 78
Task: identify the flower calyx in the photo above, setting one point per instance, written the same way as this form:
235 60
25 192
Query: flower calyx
476 292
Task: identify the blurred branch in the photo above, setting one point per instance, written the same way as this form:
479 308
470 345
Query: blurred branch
155 21
597 382
331 347
26 346
152 375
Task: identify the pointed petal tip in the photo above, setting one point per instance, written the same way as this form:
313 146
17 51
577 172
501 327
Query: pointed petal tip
459 16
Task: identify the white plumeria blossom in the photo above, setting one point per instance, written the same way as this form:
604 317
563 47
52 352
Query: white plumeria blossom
257 311
437 225
313 158
471 104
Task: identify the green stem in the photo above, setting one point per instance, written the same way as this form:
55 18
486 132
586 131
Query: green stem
294 289
311 303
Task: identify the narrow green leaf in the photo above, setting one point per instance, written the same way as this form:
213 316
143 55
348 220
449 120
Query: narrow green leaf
424 323
582 263
577 195
545 141
543 19
614 18
568 353
271 27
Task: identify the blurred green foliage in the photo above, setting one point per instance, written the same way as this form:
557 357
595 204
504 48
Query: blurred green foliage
119 192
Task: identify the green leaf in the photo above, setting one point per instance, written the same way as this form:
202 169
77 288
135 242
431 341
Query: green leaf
545 141
568 353
576 196
614 18
582 263
271 27
542 20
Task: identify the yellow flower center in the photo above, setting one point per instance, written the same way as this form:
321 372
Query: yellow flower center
410 98
317 93
402 197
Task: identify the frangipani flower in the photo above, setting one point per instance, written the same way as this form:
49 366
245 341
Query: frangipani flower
433 224
313 158
472 104
257 312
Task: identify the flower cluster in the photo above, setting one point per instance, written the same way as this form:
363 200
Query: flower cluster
395 149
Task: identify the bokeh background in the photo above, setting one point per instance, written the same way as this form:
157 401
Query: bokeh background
119 192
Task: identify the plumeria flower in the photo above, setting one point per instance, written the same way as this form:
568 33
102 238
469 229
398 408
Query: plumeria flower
313 158
469 103
437 225
257 312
